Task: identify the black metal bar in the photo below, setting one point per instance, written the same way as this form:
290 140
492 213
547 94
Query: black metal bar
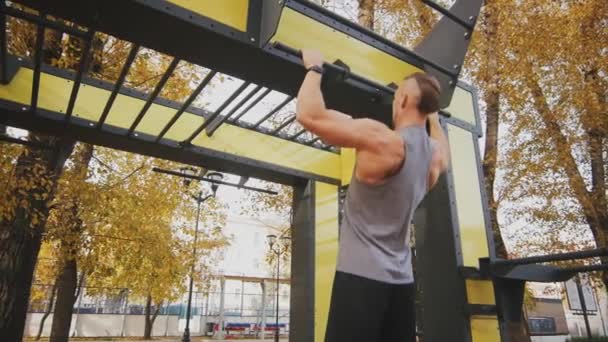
284 124
295 136
446 12
118 84
251 105
187 104
214 126
37 63
205 179
585 268
591 253
154 94
217 112
273 112
581 297
82 68
3 45
41 20
313 141
29 143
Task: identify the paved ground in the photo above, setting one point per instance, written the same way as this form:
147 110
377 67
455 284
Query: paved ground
159 339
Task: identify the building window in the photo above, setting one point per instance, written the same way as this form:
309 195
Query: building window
542 325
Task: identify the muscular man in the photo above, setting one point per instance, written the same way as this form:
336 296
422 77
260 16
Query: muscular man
373 292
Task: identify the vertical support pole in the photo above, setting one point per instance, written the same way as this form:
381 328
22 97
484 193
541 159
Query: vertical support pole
124 316
220 322
78 311
263 324
581 297
302 299
443 317
242 296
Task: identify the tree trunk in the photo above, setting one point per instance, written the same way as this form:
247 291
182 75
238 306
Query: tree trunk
48 311
70 247
150 317
62 318
33 188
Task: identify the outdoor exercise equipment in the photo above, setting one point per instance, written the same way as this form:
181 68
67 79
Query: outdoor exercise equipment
468 295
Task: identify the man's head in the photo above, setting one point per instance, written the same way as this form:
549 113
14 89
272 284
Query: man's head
418 95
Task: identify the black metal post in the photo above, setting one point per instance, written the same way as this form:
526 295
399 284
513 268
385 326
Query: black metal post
186 337
581 297
276 332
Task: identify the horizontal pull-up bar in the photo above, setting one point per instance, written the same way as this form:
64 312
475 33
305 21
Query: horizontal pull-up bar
591 253
205 179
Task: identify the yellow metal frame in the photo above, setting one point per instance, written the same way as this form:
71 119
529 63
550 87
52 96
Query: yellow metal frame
232 13
55 92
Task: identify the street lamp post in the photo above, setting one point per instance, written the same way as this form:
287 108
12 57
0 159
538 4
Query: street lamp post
199 200
278 250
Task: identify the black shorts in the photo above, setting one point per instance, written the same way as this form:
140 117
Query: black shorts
367 310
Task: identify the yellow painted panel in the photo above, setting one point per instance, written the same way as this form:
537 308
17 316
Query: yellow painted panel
231 139
485 329
348 157
184 127
480 292
300 31
229 12
86 96
54 94
326 252
468 197
20 87
462 106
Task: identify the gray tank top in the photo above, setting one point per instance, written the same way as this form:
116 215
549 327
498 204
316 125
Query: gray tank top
374 232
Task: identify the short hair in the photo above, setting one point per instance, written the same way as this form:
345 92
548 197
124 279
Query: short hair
429 92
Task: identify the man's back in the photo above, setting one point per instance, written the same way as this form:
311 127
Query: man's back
374 231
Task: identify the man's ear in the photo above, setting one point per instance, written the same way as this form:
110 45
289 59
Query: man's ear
404 101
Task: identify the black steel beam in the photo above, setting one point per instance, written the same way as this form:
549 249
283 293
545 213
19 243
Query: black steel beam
285 123
298 134
225 48
206 179
273 111
591 253
3 45
251 105
187 104
217 112
218 122
38 52
118 84
154 94
469 25
82 68
47 122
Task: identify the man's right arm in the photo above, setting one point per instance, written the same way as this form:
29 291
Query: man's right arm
441 150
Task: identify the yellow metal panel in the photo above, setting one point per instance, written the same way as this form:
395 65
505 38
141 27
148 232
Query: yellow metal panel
348 157
229 12
462 106
326 252
55 91
300 31
86 96
480 292
468 197
485 329
20 87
